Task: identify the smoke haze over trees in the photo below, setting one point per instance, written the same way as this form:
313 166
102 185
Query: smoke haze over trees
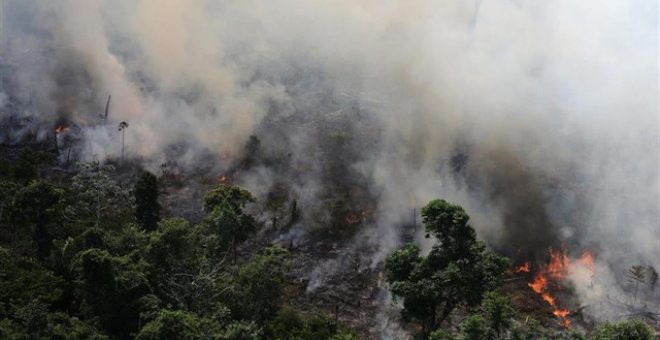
341 119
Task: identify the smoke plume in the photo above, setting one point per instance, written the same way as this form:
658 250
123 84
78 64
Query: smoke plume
540 118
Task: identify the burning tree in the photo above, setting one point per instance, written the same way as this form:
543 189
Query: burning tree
457 272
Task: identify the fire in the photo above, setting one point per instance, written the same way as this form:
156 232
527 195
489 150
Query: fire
588 260
559 264
524 268
558 269
562 313
539 284
61 129
357 217
227 178
550 299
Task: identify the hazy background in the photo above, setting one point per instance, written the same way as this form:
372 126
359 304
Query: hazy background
540 118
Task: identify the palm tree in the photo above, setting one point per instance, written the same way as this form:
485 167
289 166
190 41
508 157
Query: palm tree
122 127
636 274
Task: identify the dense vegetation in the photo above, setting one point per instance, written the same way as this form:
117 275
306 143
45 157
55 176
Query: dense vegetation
83 257
87 258
460 276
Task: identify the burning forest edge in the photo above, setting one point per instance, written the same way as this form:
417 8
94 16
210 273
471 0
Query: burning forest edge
308 170
236 235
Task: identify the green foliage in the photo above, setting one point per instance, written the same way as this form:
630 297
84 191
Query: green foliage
624 330
11 330
441 334
26 167
344 335
95 199
7 192
62 326
79 261
179 270
179 325
226 216
529 330
242 330
457 271
499 313
256 292
147 208
493 319
401 263
475 328
293 325
37 207
22 281
110 288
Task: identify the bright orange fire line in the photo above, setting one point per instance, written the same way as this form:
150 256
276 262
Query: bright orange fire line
559 267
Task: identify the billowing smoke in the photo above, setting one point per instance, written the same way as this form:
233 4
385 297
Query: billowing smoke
540 118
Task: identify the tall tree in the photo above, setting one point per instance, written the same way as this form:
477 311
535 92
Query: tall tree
457 271
37 206
147 208
636 275
257 292
97 199
225 207
122 127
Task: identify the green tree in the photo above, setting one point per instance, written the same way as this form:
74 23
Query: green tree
475 327
147 208
498 312
457 271
96 199
226 216
22 280
180 272
178 325
257 291
441 334
63 326
624 330
8 190
37 207
111 289
294 325
242 330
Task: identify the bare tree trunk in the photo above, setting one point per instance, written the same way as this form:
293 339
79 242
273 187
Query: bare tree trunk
107 109
122 146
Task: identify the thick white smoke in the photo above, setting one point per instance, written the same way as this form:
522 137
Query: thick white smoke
550 107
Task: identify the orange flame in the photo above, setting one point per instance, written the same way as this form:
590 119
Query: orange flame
588 260
562 313
559 264
539 284
558 269
358 217
524 268
61 129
